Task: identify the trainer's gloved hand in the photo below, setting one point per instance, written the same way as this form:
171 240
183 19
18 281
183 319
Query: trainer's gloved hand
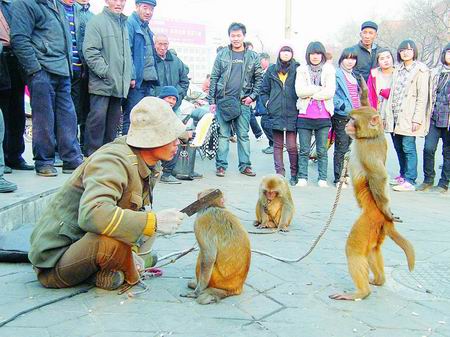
168 220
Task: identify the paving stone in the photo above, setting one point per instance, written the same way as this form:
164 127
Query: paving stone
23 332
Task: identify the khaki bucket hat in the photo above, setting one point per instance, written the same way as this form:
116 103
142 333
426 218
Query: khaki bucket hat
153 124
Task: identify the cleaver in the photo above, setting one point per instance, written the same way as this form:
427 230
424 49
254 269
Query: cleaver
201 203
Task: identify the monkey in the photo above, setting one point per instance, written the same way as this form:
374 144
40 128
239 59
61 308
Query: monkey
274 208
224 258
370 185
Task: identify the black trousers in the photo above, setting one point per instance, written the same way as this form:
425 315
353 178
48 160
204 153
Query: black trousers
80 97
12 105
341 144
102 122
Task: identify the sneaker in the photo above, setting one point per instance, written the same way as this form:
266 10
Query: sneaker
439 189
293 181
46 171
169 179
58 162
68 169
302 182
7 186
405 187
150 260
424 187
397 181
233 139
7 170
268 150
220 172
322 183
108 279
248 172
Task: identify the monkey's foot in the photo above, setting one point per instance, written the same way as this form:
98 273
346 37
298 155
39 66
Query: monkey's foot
256 224
206 298
348 297
192 284
284 229
189 294
377 282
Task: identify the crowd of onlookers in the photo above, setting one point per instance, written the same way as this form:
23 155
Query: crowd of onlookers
86 72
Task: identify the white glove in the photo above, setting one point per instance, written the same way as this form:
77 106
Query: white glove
168 220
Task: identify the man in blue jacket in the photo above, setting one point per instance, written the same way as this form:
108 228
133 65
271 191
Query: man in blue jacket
144 76
41 40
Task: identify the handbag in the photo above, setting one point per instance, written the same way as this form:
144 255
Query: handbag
185 162
229 108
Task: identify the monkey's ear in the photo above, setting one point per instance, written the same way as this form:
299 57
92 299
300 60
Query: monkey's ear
375 120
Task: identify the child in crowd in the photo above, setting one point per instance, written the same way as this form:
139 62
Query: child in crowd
439 126
406 113
345 100
315 86
279 97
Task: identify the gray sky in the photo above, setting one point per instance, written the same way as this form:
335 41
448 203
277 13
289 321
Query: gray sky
312 20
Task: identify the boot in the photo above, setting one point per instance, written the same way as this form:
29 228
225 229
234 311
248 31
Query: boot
108 279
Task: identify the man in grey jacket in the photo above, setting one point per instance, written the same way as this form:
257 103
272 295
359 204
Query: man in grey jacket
108 55
366 50
41 41
237 73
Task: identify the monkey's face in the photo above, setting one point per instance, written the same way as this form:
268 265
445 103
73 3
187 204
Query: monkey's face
270 195
350 128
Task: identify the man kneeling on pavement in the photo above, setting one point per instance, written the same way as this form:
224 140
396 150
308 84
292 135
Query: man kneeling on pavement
170 95
103 212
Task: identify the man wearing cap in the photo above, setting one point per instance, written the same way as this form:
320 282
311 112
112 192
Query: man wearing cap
108 56
90 226
366 50
144 77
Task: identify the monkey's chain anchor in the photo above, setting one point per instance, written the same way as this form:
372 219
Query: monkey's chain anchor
324 229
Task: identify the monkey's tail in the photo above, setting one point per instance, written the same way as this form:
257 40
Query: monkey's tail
404 244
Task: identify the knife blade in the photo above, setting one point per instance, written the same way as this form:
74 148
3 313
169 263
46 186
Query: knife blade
201 203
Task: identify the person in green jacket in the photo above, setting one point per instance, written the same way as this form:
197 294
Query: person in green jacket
110 70
91 226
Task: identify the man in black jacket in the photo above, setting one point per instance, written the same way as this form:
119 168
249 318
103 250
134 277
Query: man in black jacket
12 87
236 73
366 50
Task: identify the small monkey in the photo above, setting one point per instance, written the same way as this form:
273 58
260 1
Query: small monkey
275 207
224 258
370 185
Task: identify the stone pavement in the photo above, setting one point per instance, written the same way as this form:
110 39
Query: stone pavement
279 299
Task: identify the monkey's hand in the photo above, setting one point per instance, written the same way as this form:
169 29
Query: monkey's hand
283 228
256 223
190 294
168 220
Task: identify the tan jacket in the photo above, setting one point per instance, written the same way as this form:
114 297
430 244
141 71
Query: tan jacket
416 105
306 90
104 196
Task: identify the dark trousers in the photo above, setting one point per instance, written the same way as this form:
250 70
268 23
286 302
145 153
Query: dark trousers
12 105
80 97
341 144
291 145
168 166
266 124
102 122
256 129
134 97
87 256
53 112
429 151
405 146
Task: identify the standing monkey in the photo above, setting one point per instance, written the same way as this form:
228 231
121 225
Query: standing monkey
369 178
275 207
224 258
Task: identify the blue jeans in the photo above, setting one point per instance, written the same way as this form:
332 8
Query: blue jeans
304 137
53 113
266 124
405 146
134 97
429 150
241 126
